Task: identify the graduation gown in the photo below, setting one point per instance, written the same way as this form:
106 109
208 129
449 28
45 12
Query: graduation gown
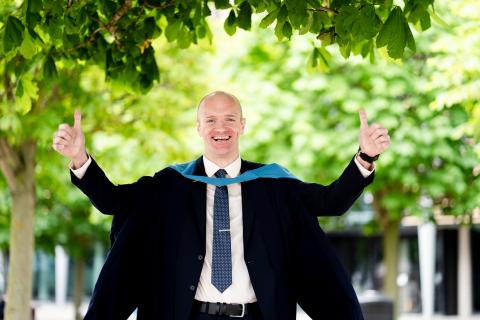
158 235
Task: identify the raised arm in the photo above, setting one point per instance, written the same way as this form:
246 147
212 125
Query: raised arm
107 197
336 198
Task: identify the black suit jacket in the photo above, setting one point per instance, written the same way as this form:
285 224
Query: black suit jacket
159 244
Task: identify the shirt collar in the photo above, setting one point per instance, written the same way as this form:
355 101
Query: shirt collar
233 169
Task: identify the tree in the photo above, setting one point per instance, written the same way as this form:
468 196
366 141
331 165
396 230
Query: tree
118 36
432 166
113 116
44 45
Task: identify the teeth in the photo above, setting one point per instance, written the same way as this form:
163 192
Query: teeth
221 138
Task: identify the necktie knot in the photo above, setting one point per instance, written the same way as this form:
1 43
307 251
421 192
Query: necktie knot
220 173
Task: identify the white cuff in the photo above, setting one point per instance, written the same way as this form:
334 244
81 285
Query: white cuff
365 172
80 172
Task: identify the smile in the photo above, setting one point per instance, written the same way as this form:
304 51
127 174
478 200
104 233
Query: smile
221 138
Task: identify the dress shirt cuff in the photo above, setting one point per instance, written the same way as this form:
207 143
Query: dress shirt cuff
80 172
365 172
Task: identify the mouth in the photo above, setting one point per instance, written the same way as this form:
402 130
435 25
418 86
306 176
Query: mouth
221 138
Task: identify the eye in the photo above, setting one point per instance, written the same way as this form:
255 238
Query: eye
231 120
210 121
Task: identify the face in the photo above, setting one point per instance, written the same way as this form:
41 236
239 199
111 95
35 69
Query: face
220 124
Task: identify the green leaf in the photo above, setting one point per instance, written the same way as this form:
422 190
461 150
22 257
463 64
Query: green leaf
13 36
279 30
244 19
393 34
49 69
171 32
328 37
425 21
306 25
372 54
34 5
28 48
184 38
269 18
150 28
345 49
313 59
230 24
410 40
344 21
282 15
324 58
27 93
287 30
366 48
222 4
19 91
367 24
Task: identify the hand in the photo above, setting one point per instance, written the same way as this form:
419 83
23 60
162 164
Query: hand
373 139
70 141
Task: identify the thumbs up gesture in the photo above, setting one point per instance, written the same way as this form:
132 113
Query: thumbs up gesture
373 139
70 141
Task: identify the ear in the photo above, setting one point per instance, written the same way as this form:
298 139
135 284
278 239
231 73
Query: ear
242 123
198 127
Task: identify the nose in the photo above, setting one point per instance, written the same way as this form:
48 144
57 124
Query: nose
220 125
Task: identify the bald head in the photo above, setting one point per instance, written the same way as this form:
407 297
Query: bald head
219 98
220 124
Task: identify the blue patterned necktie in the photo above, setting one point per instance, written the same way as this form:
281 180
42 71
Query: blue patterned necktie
221 251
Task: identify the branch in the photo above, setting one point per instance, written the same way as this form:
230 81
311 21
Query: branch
324 9
160 7
9 163
111 26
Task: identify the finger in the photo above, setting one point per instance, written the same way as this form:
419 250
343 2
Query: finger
382 139
386 145
378 132
363 118
64 126
64 134
59 135
77 124
373 127
58 140
57 147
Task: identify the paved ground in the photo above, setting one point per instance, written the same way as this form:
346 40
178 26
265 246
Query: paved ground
50 311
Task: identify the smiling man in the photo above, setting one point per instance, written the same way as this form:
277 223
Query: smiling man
221 237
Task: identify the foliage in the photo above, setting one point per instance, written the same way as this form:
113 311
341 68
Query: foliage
38 36
454 54
431 166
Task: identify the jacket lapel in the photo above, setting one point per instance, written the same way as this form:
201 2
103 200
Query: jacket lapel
199 195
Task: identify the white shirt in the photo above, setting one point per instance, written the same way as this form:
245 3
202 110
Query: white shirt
241 289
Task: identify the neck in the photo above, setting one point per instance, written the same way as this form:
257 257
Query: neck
222 162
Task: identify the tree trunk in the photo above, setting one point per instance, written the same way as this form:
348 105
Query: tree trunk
18 166
390 243
391 237
78 287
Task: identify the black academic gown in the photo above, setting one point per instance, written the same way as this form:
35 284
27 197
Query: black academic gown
159 244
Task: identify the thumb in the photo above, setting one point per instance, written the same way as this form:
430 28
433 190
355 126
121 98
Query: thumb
77 119
363 118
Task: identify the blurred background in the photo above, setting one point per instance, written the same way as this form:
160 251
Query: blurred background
410 239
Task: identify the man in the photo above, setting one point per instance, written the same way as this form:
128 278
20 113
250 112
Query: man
251 248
